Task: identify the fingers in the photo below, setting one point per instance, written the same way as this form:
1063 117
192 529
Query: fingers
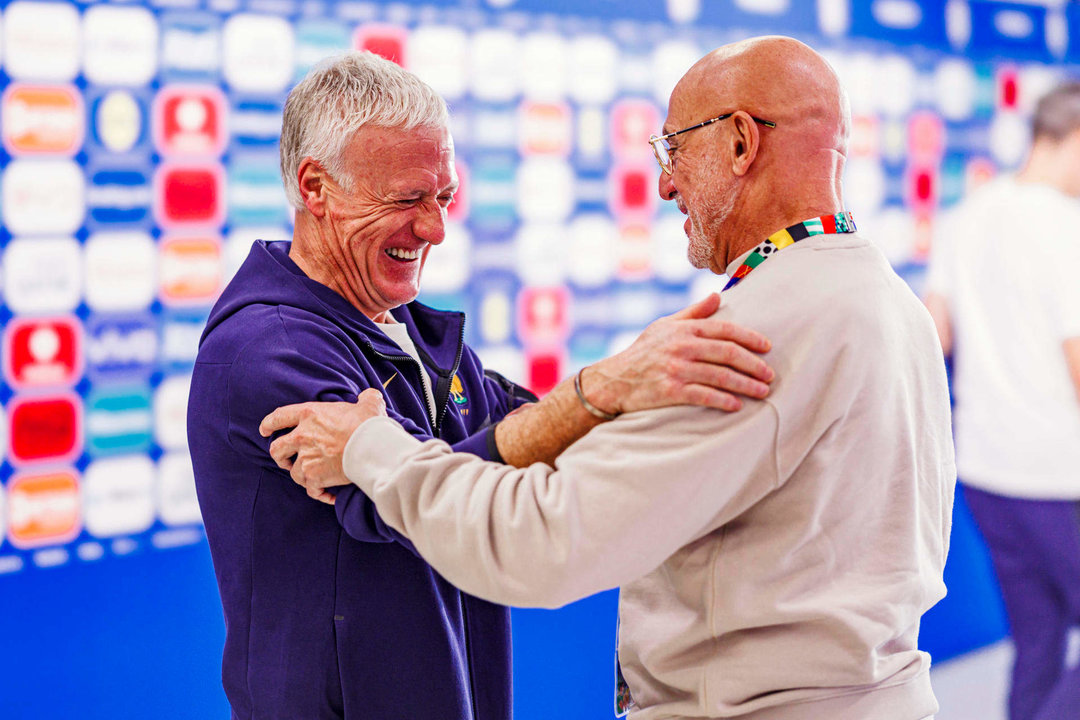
372 395
724 330
714 353
701 309
284 449
724 379
284 417
706 396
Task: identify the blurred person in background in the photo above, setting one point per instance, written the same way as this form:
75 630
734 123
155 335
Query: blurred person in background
1004 290
330 612
775 562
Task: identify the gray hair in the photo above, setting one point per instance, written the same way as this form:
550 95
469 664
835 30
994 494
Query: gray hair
1058 113
339 96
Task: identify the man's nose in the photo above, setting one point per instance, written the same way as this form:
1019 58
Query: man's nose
665 187
430 223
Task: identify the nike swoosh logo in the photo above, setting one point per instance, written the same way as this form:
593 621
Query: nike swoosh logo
388 381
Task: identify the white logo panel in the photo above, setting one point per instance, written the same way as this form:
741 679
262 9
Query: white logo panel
120 271
42 275
41 41
119 45
43 197
118 496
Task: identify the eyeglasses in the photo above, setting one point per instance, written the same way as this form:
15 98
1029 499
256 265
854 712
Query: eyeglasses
662 149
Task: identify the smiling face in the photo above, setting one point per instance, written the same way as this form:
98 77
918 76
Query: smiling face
380 231
697 183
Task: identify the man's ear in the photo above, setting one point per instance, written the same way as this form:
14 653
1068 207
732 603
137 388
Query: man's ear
312 180
745 140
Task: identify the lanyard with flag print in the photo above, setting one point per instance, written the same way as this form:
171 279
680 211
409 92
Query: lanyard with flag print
841 222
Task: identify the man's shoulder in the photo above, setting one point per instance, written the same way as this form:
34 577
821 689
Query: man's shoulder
259 330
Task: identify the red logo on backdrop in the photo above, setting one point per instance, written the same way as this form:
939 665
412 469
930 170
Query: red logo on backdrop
633 190
45 428
632 122
543 314
43 509
922 189
459 209
190 120
384 40
544 371
190 195
1008 90
42 351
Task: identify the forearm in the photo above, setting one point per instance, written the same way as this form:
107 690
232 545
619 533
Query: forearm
513 536
1072 359
542 431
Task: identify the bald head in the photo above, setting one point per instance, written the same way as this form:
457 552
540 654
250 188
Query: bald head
774 77
765 177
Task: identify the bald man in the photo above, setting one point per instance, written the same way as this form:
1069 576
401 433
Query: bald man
774 563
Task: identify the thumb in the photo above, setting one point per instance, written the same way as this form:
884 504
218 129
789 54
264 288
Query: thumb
701 309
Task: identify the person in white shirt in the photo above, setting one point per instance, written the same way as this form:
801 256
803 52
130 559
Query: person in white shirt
774 563
1004 290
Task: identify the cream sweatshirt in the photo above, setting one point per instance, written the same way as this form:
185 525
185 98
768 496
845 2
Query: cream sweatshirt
774 562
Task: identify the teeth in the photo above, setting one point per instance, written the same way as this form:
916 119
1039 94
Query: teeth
403 254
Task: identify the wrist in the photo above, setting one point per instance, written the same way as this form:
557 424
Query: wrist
596 393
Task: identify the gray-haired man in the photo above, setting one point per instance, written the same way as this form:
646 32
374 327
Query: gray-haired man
330 612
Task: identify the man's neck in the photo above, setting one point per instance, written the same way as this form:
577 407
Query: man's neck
752 232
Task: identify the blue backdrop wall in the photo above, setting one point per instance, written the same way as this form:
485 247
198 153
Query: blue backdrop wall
138 162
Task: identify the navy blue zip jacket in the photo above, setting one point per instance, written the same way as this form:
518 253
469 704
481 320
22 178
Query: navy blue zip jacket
329 613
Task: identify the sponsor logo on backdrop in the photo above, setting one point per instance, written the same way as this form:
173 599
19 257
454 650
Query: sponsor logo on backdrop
42 351
180 339
45 428
170 412
544 370
632 122
256 196
595 74
492 203
315 40
42 275
190 120
635 252
120 45
543 315
258 53
118 121
118 496
543 66
119 196
544 129
119 420
177 502
491 77
42 120
189 270
633 190
386 41
592 250
438 54
255 124
545 189
190 46
43 509
43 196
121 348
41 41
189 195
120 271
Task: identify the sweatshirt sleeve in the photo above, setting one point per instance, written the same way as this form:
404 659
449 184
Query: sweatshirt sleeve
270 371
618 503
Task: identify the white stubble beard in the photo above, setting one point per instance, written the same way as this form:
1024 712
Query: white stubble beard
706 224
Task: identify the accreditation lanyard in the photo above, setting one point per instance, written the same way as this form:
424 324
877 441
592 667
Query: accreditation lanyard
841 222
